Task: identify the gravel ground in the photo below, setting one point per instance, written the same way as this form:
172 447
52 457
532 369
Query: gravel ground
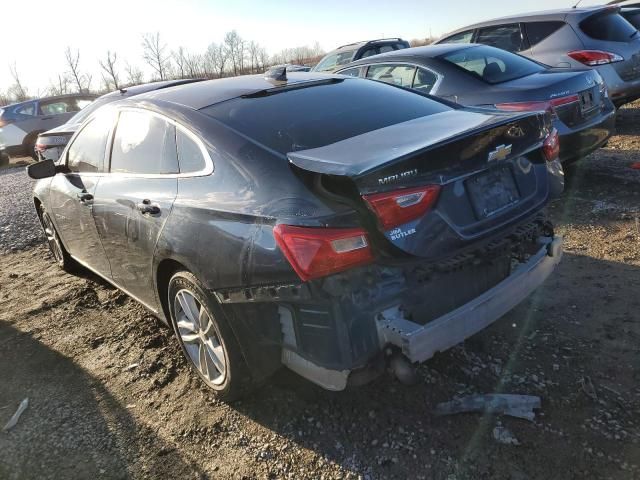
19 226
111 396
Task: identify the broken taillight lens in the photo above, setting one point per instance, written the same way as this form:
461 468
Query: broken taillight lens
551 146
317 252
402 206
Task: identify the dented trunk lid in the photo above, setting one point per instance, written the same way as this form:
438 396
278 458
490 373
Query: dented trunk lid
488 165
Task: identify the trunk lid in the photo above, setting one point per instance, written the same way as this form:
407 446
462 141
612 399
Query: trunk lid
488 167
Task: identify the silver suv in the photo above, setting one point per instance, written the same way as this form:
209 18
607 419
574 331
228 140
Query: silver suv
596 37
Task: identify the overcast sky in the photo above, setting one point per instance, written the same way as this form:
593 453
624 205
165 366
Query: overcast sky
36 32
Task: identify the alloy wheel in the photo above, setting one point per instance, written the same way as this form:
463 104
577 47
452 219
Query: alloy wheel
200 338
52 238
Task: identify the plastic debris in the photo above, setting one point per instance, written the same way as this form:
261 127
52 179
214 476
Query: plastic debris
635 165
131 367
504 436
16 416
519 406
588 388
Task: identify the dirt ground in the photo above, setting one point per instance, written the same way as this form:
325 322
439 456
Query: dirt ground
111 397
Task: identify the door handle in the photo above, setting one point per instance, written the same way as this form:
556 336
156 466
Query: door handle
148 208
85 197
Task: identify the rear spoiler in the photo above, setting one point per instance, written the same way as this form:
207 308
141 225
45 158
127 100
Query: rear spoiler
357 155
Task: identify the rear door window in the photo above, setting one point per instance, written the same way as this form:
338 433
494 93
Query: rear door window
401 75
463 37
56 107
144 144
609 26
507 37
351 72
538 31
190 157
29 110
492 65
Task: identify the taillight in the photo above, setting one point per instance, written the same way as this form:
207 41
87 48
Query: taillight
551 146
402 206
595 57
548 105
317 252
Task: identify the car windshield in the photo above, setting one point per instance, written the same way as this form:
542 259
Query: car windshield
331 62
83 114
316 115
492 65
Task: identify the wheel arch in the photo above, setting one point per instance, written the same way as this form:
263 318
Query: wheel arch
166 268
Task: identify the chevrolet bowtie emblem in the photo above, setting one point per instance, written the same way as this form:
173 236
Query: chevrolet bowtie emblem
500 153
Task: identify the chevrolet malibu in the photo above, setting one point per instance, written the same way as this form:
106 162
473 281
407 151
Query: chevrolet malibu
329 224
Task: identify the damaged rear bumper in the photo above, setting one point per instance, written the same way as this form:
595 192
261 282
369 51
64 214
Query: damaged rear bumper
421 342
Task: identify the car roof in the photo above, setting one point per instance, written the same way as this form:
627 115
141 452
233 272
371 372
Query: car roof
426 51
202 94
149 87
557 14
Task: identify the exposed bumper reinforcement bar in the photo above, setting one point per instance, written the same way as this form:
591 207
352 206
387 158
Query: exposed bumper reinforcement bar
421 342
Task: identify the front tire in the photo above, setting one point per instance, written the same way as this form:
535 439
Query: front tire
60 254
206 339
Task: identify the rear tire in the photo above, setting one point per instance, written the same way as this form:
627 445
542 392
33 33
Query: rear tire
60 254
206 339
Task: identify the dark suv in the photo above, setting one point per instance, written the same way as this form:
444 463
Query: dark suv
596 37
355 51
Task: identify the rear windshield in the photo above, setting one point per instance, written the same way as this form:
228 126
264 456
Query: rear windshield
633 17
609 26
333 61
321 114
492 65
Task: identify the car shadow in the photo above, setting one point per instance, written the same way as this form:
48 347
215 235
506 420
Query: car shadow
628 119
581 319
73 427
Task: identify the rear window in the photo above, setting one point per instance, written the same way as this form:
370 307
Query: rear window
538 31
633 18
321 114
83 114
609 26
492 65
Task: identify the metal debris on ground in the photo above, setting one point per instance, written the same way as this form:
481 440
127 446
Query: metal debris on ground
504 436
16 416
519 406
588 388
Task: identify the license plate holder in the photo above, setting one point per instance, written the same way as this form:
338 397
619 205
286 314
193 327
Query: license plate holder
587 101
492 191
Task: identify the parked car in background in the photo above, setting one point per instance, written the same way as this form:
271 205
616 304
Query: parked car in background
254 229
355 51
20 123
595 37
50 144
480 75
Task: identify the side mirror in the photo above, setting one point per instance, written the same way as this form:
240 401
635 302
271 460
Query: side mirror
44 169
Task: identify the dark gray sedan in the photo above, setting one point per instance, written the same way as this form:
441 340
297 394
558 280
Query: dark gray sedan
481 75
385 227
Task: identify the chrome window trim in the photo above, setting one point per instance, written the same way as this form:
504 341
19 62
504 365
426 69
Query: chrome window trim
365 67
207 170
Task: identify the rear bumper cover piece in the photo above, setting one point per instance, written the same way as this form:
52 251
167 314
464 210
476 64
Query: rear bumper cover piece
421 342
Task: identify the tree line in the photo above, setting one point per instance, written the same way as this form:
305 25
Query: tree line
233 56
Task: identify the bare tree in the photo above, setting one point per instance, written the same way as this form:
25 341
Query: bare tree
110 76
234 50
59 86
17 91
82 81
154 54
134 74
215 60
195 65
180 58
